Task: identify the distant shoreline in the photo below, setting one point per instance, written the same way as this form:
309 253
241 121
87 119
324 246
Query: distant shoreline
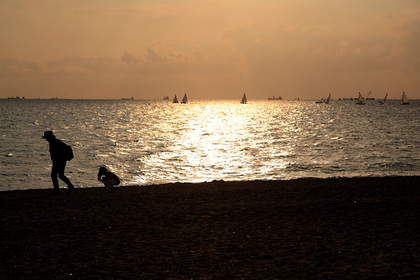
286 181
343 99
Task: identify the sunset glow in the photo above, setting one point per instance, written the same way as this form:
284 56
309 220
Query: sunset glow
209 49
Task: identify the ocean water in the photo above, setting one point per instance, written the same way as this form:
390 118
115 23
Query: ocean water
153 142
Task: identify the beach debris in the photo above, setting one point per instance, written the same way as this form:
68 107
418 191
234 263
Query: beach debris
9 155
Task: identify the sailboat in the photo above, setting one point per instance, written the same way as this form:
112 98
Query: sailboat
175 100
325 101
404 99
383 102
328 99
369 98
360 100
244 100
185 99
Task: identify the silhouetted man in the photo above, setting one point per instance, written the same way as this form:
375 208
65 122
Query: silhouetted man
59 155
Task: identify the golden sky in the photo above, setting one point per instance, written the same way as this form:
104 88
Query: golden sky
209 49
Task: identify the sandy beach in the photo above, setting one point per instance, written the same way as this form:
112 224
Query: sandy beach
357 228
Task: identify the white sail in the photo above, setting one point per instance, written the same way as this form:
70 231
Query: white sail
404 99
244 100
175 99
360 100
185 99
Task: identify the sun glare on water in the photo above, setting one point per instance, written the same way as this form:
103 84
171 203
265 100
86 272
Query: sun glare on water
218 141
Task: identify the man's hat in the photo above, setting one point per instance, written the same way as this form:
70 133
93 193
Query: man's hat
48 134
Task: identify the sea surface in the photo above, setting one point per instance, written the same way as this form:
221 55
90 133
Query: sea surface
155 141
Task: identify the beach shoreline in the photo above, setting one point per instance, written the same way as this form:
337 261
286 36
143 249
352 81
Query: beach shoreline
293 229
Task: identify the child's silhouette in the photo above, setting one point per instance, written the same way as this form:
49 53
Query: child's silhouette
108 178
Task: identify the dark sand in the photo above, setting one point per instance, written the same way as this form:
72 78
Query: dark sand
301 229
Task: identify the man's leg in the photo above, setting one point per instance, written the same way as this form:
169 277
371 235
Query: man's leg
60 170
54 173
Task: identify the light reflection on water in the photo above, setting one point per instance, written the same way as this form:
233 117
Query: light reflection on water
149 142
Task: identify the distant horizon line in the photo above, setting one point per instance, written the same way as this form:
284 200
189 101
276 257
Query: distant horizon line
162 99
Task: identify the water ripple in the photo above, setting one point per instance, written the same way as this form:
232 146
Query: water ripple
148 142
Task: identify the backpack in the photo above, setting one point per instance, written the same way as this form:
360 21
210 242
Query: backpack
68 151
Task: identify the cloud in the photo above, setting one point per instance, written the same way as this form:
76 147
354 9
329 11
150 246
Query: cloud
164 60
300 49
129 58
221 46
153 56
10 66
157 68
82 65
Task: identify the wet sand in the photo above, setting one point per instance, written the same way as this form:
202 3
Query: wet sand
354 228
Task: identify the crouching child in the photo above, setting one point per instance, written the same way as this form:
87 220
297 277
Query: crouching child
108 178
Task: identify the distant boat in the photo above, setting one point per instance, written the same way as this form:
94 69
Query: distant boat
360 100
328 99
383 102
175 100
131 98
244 100
275 98
404 99
185 99
369 98
325 101
166 97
